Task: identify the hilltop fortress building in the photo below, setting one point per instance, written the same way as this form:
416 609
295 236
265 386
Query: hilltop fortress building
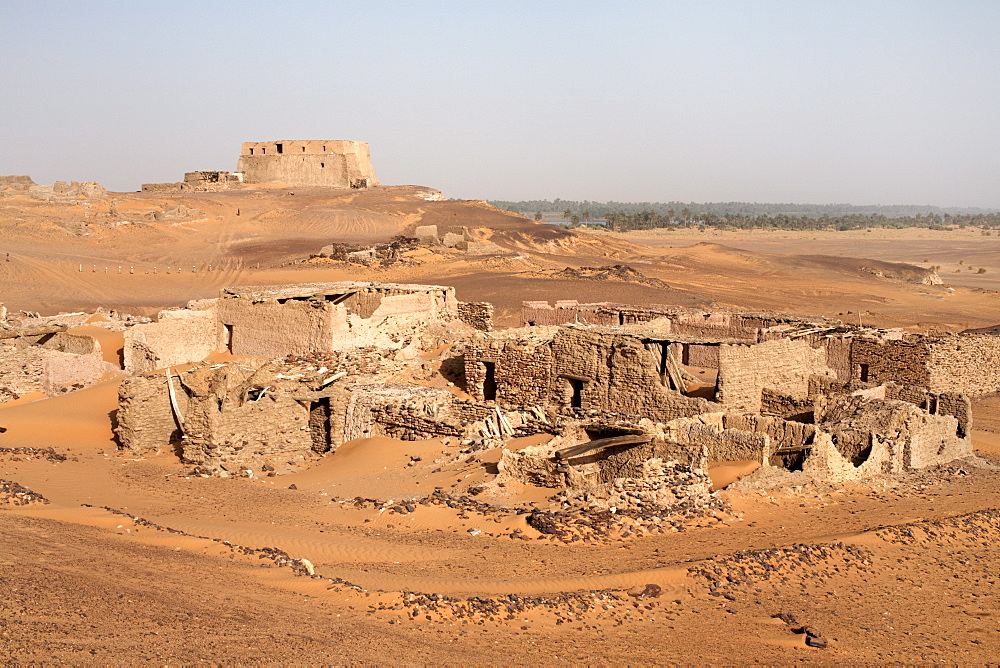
337 163
313 162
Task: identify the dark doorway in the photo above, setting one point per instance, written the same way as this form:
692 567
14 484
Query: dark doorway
864 373
576 400
319 424
490 382
279 148
227 337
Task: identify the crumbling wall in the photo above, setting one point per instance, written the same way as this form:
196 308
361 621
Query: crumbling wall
701 356
725 444
614 372
244 416
478 315
298 319
784 365
826 462
25 369
399 411
174 186
913 437
782 433
905 360
946 403
623 478
519 369
273 329
145 419
838 353
177 337
541 313
966 363
781 405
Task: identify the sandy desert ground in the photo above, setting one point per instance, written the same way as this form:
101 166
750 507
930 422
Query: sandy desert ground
138 561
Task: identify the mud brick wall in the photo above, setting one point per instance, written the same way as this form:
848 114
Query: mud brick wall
522 371
539 313
630 384
478 315
25 369
904 361
409 423
22 370
273 427
783 365
838 353
618 375
179 336
709 324
932 441
399 411
73 343
958 406
727 445
145 418
270 329
966 363
782 433
946 403
781 405
703 357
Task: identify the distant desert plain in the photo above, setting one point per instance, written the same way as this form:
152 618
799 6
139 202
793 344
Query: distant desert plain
139 559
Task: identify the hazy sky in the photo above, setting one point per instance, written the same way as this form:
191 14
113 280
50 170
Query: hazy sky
806 101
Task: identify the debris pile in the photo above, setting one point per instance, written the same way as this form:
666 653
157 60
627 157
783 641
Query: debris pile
737 574
18 495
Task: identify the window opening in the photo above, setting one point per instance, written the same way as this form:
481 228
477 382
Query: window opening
227 337
278 147
864 373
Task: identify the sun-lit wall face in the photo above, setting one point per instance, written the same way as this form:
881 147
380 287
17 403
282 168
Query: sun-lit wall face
313 162
302 147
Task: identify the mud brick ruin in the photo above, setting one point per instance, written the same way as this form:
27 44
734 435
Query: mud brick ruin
639 401
40 355
274 321
335 163
313 162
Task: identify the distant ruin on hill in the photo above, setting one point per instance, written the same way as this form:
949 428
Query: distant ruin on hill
338 163
314 162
